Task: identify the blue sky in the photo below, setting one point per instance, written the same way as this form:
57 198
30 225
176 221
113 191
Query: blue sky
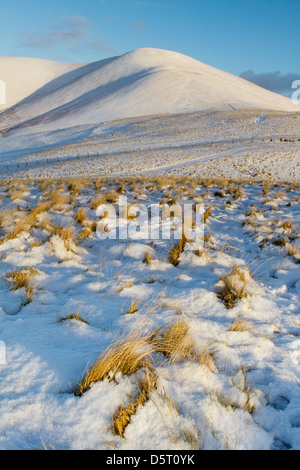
259 39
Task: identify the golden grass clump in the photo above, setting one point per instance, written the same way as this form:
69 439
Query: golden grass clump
45 184
148 258
292 250
131 212
80 216
28 221
123 417
17 193
96 202
176 344
207 214
76 185
280 241
241 325
246 388
106 198
65 233
126 356
266 189
23 279
85 233
57 200
176 251
73 316
98 184
133 307
287 226
235 285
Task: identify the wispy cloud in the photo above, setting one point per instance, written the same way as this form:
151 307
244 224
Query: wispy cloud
274 81
71 30
139 26
69 33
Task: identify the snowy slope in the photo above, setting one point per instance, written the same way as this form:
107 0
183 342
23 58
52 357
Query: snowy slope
141 82
246 397
23 76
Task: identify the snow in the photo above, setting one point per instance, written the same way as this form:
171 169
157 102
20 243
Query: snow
222 143
98 278
151 125
140 83
23 76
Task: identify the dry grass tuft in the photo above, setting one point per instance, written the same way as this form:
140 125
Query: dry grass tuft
46 184
280 241
123 417
131 212
126 356
207 214
17 193
176 251
57 200
76 185
176 344
106 198
73 316
85 233
29 221
207 358
147 259
65 233
246 388
292 250
23 279
96 202
241 325
287 226
80 216
235 285
133 307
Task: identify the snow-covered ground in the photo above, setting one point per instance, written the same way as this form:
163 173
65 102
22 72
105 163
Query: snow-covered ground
198 347
243 393
239 144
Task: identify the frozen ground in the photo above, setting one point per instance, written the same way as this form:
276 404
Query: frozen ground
244 394
239 144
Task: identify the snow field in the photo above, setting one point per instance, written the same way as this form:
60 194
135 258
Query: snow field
222 369
233 144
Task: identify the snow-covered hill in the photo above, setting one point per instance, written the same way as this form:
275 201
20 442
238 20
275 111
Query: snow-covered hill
23 76
141 82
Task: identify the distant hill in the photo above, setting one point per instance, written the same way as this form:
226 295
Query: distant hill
139 83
